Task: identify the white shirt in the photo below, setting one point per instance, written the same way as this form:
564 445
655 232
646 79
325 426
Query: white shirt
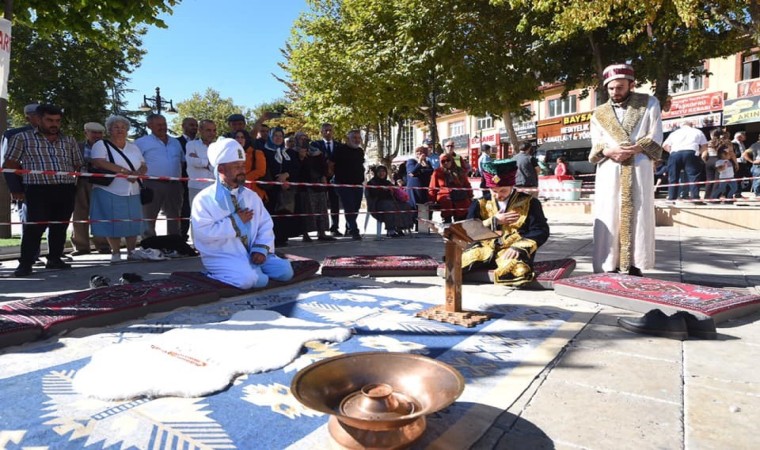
120 186
685 138
727 171
198 166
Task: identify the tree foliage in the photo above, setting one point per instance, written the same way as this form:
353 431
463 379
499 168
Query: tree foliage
661 38
209 105
96 20
76 74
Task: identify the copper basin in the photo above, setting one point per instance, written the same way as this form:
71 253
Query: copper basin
384 397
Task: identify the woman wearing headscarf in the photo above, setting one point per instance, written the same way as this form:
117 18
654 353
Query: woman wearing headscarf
313 198
283 167
418 173
385 207
255 163
453 202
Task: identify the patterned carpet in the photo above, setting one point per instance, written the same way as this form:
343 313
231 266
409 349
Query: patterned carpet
498 359
643 294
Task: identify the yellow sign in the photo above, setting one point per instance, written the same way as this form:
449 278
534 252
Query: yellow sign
577 118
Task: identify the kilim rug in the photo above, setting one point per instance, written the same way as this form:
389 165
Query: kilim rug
547 272
379 265
643 294
97 307
303 269
499 359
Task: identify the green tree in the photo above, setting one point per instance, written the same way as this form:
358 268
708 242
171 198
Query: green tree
91 19
209 105
661 38
71 72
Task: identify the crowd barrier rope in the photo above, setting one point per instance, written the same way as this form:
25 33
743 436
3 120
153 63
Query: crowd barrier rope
333 185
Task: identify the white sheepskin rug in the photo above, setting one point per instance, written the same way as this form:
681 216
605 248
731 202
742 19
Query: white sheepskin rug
200 359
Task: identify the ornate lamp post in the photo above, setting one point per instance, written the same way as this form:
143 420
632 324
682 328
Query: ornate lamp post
158 103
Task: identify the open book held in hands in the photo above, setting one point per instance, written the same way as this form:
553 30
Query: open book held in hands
466 231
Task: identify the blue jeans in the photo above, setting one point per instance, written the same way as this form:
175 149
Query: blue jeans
720 189
351 198
756 182
684 160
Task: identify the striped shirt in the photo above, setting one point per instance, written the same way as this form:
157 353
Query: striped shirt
35 152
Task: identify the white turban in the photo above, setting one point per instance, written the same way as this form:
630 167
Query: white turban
224 151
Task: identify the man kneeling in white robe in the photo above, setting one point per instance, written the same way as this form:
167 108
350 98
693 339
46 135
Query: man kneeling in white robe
231 229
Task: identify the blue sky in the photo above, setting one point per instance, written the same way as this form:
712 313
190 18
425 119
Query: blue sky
232 46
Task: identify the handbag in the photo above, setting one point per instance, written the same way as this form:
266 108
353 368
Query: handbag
146 193
401 195
101 181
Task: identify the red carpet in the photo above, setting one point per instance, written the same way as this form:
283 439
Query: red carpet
98 307
547 272
303 269
379 265
643 294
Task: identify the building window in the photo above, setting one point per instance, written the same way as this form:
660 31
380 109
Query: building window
598 98
687 82
484 123
456 128
751 66
562 106
407 140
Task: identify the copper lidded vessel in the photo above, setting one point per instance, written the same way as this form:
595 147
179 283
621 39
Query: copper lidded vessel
377 399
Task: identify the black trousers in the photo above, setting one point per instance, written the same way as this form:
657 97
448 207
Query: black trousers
46 202
334 202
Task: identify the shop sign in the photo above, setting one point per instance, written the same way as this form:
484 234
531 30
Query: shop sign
748 88
491 139
567 128
523 130
689 106
459 141
701 121
741 110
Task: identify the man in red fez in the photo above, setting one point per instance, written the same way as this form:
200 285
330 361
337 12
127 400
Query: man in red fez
519 220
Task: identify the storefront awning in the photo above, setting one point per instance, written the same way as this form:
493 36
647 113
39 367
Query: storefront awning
566 145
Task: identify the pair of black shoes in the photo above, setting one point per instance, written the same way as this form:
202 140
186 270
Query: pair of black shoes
680 325
633 271
98 281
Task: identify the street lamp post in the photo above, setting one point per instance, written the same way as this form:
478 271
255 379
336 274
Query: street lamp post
158 103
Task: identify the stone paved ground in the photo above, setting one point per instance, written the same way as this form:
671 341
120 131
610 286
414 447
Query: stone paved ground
608 388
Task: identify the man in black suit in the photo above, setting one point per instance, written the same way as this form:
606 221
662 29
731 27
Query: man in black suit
189 133
327 146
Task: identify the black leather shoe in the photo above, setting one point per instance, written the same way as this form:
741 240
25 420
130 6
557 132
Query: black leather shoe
335 232
635 271
22 271
98 281
325 237
56 264
698 328
392 234
656 323
355 235
129 277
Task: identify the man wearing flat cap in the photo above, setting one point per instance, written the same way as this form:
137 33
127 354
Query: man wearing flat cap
231 228
626 137
80 236
519 220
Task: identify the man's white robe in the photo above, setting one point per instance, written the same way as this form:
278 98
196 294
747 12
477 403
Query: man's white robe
223 254
607 199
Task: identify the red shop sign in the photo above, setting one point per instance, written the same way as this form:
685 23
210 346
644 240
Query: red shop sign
698 104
